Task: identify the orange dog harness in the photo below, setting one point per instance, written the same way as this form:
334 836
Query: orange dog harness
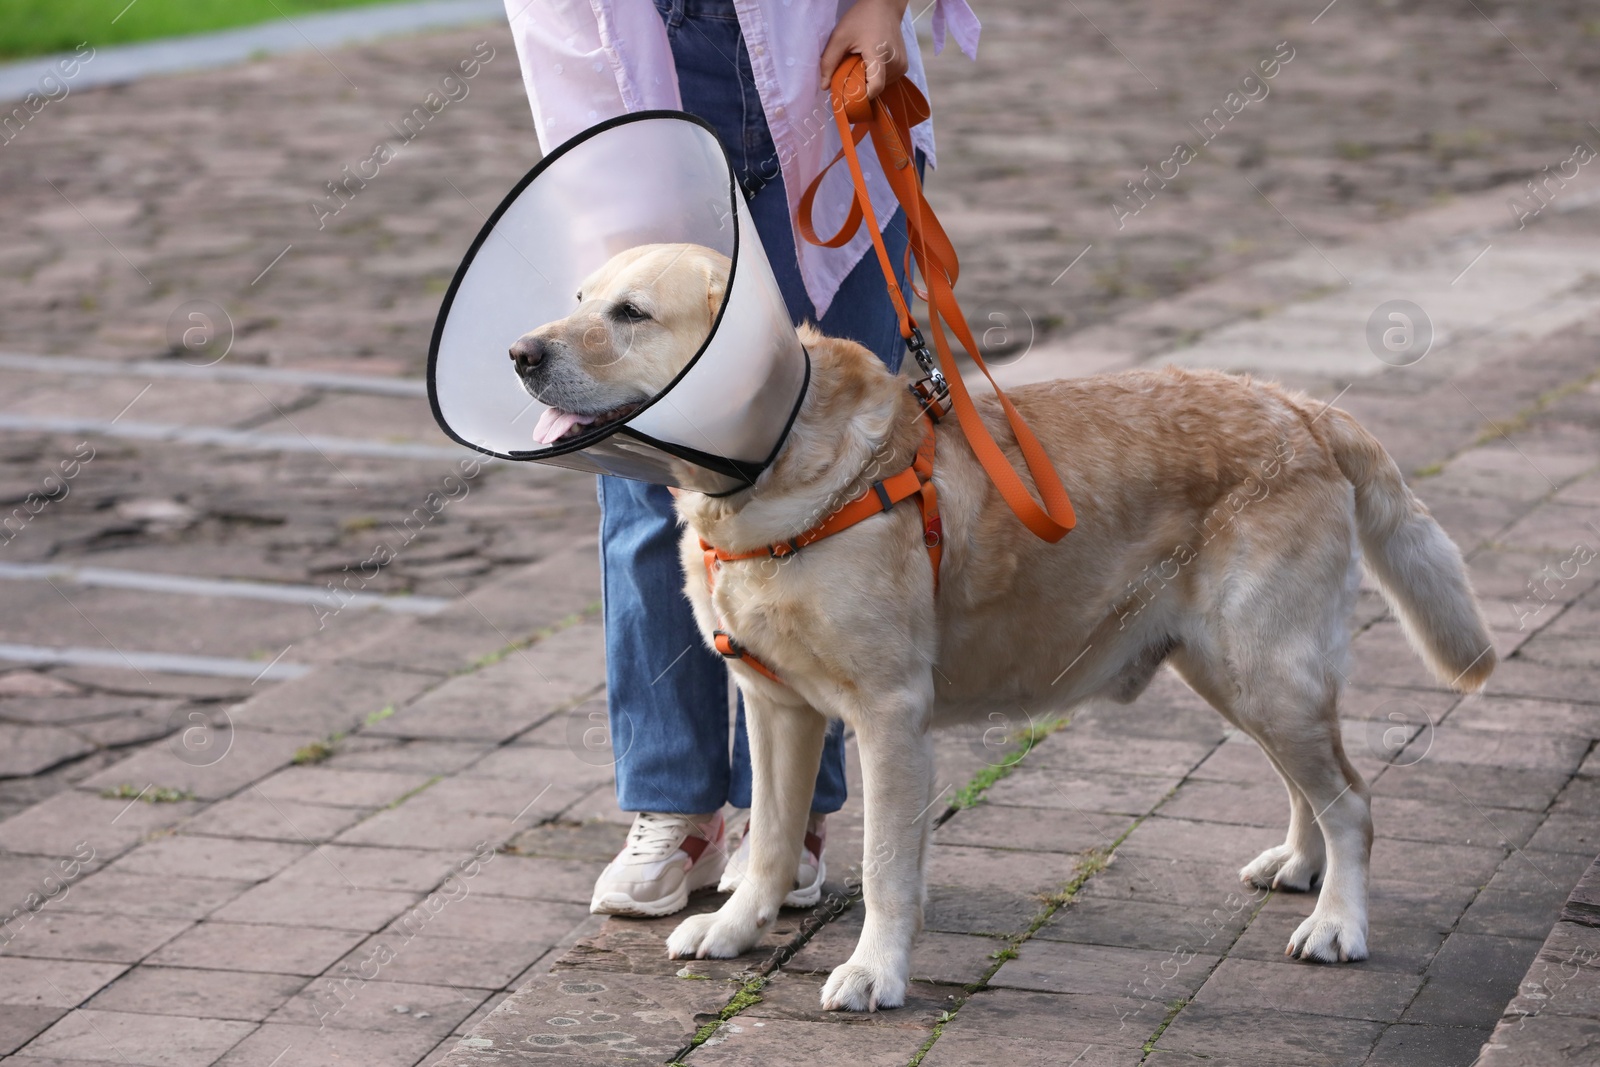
915 481
889 120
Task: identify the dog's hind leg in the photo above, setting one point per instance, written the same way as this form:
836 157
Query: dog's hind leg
1291 710
1297 863
896 769
785 751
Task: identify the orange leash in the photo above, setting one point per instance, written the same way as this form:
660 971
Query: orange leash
889 119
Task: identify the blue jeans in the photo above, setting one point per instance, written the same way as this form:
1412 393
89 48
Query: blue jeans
667 692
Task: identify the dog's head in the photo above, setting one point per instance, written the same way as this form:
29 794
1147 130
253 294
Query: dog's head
639 320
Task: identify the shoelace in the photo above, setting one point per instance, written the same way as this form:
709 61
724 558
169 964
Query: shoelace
653 834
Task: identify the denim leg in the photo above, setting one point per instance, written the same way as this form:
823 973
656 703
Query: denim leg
667 692
669 716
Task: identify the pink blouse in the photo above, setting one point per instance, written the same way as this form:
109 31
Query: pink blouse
584 61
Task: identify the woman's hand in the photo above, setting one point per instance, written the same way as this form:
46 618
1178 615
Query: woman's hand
870 30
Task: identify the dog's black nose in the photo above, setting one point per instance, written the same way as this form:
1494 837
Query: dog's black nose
527 353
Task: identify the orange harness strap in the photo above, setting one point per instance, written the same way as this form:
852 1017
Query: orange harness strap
889 119
916 480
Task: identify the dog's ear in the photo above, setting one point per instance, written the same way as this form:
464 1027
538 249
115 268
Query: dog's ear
716 288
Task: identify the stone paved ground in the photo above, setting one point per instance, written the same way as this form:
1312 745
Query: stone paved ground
285 859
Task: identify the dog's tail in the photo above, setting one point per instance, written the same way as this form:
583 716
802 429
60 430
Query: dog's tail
1417 566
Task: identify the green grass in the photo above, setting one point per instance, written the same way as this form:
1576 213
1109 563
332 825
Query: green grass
316 751
973 791
150 794
38 27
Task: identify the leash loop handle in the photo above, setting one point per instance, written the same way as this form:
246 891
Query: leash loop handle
889 119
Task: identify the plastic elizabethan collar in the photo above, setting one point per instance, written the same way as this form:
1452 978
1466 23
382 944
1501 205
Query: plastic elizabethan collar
647 178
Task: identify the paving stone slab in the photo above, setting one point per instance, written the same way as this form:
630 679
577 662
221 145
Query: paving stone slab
53 983
1033 829
1496 748
257 947
1153 926
1541 716
1423 861
70 823
1463 823
1409 1045
1471 980
1188 839
391 1007
253 815
1529 915
332 699
980 1050
1108 1021
474 917
1344 992
211 994
1542 1041
1126 794
339 787
399 869
421 757
28 750
327 1047
194 856
116 891
1089 753
66 935
611 1019
340 907
964 910
20 1024
1456 783
1258 803
129 1037
1568 832
1062 967
539 878
443 961
1154 879
765 1041
1268 1036
252 755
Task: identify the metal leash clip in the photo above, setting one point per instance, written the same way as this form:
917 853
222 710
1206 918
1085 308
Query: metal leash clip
931 389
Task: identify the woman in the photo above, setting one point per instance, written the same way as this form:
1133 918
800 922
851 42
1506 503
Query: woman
757 71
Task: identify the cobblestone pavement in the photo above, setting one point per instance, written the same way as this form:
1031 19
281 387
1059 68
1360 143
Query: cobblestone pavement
345 825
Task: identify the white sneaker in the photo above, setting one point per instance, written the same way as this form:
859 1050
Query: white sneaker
667 857
808 878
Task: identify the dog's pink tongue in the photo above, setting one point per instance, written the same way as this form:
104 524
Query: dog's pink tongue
554 424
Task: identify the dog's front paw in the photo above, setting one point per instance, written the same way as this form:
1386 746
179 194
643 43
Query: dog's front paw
1282 868
715 935
863 987
1329 937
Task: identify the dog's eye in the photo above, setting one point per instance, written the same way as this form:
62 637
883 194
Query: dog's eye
630 313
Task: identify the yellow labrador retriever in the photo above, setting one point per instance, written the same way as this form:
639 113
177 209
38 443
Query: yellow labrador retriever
1220 523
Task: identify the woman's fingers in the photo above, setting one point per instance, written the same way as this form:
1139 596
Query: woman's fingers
871 30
